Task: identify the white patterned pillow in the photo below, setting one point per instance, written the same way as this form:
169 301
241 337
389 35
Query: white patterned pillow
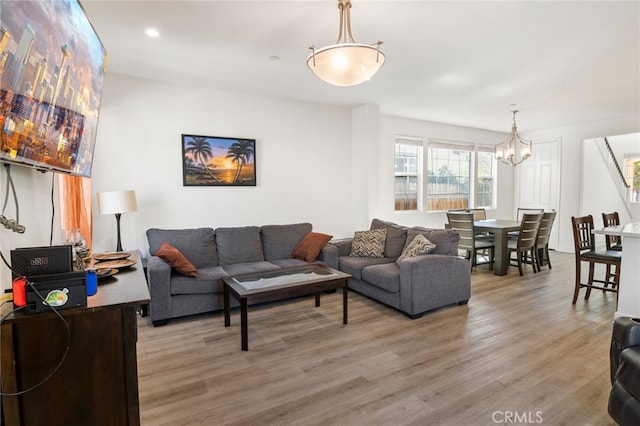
368 243
418 246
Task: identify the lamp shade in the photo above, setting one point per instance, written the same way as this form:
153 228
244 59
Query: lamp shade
346 64
114 202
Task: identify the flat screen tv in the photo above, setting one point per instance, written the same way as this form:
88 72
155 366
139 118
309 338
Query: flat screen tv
51 73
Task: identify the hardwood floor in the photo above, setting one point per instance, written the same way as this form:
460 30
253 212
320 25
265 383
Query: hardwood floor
518 353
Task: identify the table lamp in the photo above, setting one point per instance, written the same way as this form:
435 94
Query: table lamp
117 202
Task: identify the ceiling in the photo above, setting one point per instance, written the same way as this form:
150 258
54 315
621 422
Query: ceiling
463 63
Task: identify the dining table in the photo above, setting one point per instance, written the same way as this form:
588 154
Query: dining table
500 229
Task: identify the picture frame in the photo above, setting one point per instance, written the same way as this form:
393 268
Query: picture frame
218 161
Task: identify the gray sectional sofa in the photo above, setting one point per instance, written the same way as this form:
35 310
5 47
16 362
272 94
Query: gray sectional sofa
217 253
414 285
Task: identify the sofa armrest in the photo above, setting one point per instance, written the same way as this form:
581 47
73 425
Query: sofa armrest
433 280
343 245
626 334
329 256
159 276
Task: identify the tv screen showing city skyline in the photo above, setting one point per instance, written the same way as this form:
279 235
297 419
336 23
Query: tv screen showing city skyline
51 75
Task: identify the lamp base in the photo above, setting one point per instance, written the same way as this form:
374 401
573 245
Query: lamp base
119 244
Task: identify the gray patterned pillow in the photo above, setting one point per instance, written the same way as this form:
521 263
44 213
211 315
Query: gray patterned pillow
368 243
418 246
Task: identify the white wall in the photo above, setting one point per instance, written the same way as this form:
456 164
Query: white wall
35 209
303 156
600 194
571 173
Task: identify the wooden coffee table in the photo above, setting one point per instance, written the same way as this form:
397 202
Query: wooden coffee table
282 284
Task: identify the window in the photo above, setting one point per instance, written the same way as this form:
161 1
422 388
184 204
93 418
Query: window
632 176
485 189
448 176
408 173
455 175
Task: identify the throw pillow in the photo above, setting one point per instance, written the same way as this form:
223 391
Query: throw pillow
310 246
368 243
418 246
176 260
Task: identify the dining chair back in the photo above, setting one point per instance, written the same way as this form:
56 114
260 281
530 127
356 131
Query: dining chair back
542 240
525 246
463 224
585 251
613 242
519 212
523 210
478 214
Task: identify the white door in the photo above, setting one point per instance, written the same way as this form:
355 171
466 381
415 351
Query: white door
540 181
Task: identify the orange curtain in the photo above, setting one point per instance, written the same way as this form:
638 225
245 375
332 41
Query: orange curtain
75 205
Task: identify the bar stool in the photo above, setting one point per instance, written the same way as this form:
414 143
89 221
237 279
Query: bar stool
613 242
585 251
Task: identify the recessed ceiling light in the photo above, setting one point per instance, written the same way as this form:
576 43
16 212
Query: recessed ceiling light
151 32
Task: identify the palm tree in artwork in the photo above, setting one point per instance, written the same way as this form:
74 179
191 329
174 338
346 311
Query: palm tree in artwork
240 152
201 150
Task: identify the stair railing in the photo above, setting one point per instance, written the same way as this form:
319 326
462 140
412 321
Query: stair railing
624 189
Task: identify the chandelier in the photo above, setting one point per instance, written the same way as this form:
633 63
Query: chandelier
514 150
346 63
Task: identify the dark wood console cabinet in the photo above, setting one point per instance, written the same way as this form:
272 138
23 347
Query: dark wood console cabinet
98 382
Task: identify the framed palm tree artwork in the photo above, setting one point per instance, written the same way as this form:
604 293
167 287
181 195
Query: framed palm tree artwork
218 161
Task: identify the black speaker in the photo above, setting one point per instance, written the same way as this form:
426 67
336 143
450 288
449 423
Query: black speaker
41 260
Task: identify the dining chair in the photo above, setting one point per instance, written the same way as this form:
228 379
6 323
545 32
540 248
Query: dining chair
612 242
463 224
519 212
585 251
542 240
525 245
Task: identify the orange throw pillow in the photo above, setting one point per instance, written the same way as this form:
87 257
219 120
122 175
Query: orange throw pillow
310 246
176 260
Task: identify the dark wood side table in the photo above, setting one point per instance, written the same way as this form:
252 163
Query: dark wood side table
98 382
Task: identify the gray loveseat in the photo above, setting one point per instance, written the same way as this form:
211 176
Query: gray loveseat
414 285
215 254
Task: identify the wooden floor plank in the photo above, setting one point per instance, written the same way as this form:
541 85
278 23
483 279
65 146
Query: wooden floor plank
519 346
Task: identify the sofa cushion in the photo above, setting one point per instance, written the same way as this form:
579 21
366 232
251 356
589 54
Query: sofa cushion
385 276
239 245
396 237
354 265
446 240
310 246
418 246
250 268
368 243
197 245
208 281
279 241
176 260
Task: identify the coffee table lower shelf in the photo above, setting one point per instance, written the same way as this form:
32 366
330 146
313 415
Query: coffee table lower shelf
245 297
